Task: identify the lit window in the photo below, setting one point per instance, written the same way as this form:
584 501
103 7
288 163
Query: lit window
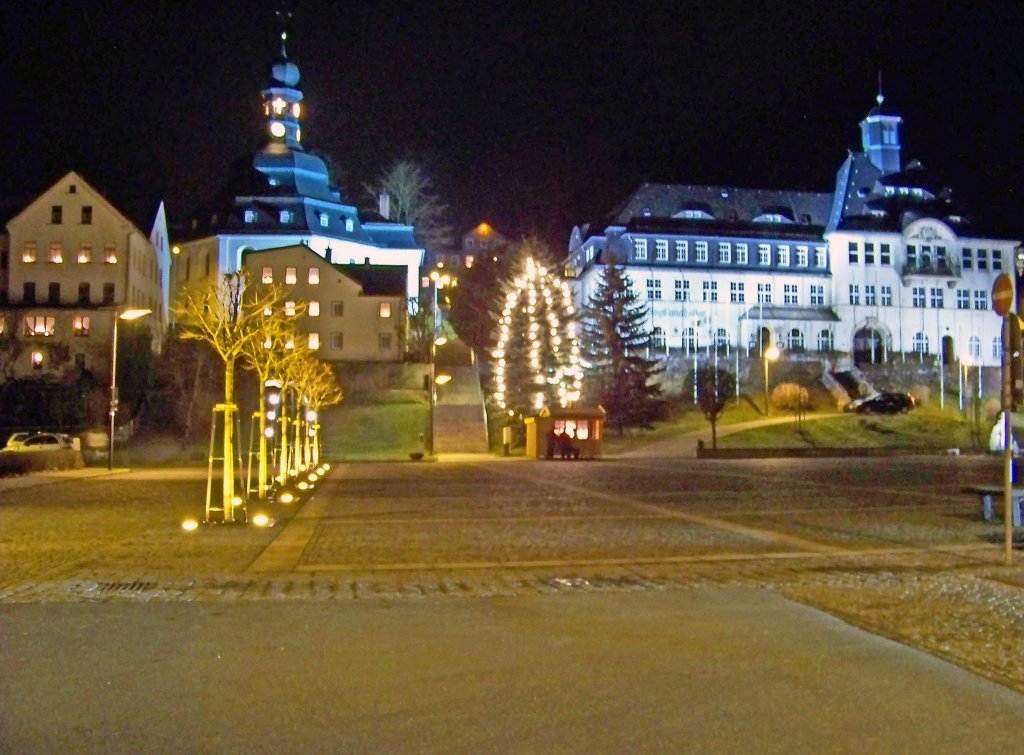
37 360
323 219
250 216
314 309
349 225
110 254
314 276
296 110
289 275
80 325
56 253
28 254
385 309
278 105
289 308
37 325
3 325
85 254
268 275
314 341
285 216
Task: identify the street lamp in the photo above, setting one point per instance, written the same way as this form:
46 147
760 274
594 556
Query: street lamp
128 314
770 355
438 341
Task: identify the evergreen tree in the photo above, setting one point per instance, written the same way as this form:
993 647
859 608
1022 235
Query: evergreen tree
615 343
535 357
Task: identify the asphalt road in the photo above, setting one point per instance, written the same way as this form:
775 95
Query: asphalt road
708 670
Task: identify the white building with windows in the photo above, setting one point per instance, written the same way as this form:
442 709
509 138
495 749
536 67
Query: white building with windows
887 264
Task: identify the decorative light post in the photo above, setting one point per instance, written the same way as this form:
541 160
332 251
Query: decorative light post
128 314
770 355
438 341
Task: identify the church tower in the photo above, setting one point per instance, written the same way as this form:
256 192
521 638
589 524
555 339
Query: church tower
281 100
880 137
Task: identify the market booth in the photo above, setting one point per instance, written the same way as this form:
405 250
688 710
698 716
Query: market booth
573 432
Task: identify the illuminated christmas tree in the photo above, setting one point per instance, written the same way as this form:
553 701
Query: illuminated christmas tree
535 362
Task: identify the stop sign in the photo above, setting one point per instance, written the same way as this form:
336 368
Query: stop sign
1002 295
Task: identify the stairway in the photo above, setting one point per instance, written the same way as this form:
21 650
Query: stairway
460 420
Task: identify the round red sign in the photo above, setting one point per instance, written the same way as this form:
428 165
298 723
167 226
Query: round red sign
1002 295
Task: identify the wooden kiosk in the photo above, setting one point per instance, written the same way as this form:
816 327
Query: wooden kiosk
582 427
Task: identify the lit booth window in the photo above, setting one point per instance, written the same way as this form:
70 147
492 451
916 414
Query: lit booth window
565 433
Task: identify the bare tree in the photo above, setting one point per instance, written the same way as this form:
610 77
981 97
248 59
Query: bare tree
413 200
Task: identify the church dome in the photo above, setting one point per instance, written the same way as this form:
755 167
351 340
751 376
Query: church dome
284 73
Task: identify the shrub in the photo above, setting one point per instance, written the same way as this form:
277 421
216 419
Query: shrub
23 462
921 393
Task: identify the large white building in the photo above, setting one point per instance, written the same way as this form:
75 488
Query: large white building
284 199
887 264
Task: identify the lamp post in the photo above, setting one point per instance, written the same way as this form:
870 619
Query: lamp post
128 314
437 341
770 355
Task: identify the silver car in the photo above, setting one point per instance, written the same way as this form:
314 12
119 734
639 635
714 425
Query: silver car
41 442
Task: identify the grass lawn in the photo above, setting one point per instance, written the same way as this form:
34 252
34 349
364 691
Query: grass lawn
378 431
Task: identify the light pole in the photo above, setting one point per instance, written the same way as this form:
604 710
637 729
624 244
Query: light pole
437 341
128 314
770 355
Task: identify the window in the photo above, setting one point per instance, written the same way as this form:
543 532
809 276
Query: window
912 255
938 299
108 293
324 219
661 250
885 254
314 341
817 295
981 299
974 346
789 294
819 256
110 254
56 253
869 253
640 249
963 298
289 275
783 255
83 293
349 225
825 342
682 290
85 254
967 259
764 293
721 339
702 251
385 309
764 254
854 252
56 214
337 341
741 254
982 259
80 325
653 288
886 296
997 259
796 340
337 308
658 338
53 293
710 290
285 217
268 275
724 252
997 348
314 276
918 296
920 343
690 339
249 216
855 294
801 256
28 292
38 325
384 340
314 309
86 215
736 292
682 250
289 308
28 253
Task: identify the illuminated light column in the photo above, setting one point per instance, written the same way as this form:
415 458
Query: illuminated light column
129 314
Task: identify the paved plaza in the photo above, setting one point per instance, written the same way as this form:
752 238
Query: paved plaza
517 606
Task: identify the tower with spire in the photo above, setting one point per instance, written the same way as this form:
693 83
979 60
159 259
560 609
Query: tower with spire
880 136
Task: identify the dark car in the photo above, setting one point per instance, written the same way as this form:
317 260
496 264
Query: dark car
886 402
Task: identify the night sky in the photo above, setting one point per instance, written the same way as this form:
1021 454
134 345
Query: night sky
532 116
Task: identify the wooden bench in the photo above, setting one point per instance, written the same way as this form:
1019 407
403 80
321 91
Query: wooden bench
988 492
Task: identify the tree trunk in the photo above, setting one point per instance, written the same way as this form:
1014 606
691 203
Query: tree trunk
229 451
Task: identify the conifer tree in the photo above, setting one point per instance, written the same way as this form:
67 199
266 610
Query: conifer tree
615 344
535 360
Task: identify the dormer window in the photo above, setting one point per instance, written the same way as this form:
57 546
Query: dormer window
772 217
694 215
250 216
285 216
349 225
323 219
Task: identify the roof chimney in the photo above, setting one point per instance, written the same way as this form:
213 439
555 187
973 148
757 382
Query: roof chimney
384 202
366 260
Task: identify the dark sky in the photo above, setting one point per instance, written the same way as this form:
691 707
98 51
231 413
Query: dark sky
533 116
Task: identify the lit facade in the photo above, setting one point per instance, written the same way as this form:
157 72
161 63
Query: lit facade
73 260
887 263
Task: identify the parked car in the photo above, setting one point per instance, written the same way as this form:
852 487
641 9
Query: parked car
42 442
18 439
886 402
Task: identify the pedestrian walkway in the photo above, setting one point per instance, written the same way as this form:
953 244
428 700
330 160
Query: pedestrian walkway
37 479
